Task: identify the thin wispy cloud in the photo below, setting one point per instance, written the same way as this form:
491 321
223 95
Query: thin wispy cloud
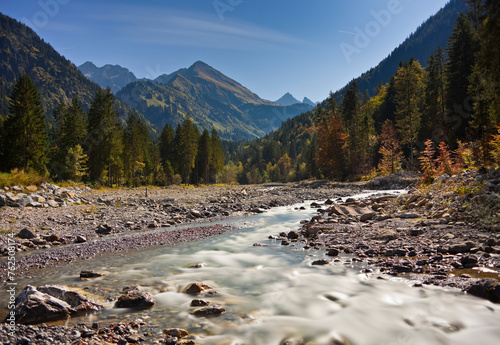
162 26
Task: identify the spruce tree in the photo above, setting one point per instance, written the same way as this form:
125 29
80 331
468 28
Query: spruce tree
186 143
104 139
462 48
216 156
409 95
434 109
203 157
136 151
71 132
26 140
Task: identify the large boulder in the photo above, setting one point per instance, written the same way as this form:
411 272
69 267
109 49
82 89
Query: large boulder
75 299
26 234
33 306
135 299
486 288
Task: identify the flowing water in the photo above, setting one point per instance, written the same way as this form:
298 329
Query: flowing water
272 293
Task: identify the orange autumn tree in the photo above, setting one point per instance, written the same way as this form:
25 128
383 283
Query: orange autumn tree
331 145
390 149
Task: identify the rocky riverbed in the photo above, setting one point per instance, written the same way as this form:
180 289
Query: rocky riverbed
443 235
446 234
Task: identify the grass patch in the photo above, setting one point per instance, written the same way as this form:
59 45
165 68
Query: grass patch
20 177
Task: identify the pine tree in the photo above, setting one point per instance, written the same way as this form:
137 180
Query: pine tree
136 150
166 145
432 123
71 131
462 48
217 156
186 144
104 139
409 95
26 139
203 157
485 78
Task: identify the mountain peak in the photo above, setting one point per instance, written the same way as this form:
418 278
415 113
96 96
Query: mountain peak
308 101
287 99
113 76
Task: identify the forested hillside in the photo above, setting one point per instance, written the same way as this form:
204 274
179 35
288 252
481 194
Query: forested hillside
419 45
452 101
57 79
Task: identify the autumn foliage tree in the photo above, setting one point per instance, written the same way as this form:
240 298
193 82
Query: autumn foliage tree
390 150
331 145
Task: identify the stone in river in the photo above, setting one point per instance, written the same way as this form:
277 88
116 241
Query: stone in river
486 288
199 303
135 299
196 288
176 332
90 274
75 299
33 306
333 252
209 311
320 262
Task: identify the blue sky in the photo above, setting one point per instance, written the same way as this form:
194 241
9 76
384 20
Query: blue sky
307 48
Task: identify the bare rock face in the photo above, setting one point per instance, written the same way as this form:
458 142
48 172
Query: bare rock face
135 299
50 303
76 300
33 306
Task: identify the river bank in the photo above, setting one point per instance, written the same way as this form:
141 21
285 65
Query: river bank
102 221
371 233
446 234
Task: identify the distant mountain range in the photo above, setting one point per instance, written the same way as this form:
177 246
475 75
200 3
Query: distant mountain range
288 99
211 99
113 76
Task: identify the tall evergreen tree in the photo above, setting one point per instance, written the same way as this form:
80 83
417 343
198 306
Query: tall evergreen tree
26 139
462 48
432 123
104 139
186 145
203 157
71 131
166 144
217 158
409 96
136 151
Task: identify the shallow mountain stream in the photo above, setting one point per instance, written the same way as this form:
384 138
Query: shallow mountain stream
271 293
